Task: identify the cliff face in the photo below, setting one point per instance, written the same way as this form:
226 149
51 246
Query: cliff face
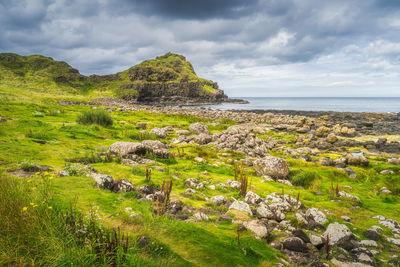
166 79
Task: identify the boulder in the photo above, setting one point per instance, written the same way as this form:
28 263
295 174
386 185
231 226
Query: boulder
357 160
159 132
348 196
122 186
200 216
202 139
199 128
372 234
300 234
241 206
124 148
103 181
316 215
295 244
146 189
317 240
219 200
252 198
182 132
272 166
326 161
258 228
338 234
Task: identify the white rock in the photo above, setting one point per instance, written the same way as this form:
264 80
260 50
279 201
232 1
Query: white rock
219 200
200 216
241 206
258 228
317 215
338 233
368 243
252 198
393 241
316 239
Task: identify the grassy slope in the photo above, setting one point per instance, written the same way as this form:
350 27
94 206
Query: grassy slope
35 116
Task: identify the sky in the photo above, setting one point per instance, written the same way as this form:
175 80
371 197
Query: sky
251 48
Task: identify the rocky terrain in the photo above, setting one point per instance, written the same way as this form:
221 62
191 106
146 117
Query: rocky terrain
90 179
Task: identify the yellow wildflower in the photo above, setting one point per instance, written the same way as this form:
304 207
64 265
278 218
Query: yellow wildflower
32 203
24 208
29 180
34 188
35 205
37 173
45 173
50 207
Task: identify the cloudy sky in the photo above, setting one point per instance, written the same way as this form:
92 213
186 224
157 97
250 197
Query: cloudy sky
251 48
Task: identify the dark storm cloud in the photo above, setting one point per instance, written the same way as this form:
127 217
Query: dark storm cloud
104 36
183 9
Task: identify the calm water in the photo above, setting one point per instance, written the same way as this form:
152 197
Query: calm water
349 104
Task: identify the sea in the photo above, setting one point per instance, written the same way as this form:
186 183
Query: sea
342 104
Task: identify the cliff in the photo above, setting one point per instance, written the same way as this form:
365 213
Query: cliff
167 79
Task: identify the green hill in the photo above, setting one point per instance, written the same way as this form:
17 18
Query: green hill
169 78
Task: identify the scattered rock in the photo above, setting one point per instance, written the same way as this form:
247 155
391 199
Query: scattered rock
258 228
241 206
252 198
200 216
316 215
122 186
372 234
219 200
317 240
295 244
124 148
272 166
199 128
300 234
348 196
393 241
146 190
103 181
143 241
159 132
338 234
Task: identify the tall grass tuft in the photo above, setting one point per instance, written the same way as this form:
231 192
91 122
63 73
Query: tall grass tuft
100 117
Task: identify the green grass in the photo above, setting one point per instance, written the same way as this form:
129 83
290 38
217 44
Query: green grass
176 243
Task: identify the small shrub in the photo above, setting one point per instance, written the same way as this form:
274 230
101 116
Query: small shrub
303 178
39 134
75 169
100 117
27 165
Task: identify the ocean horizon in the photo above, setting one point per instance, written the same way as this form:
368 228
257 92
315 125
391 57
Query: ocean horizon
340 104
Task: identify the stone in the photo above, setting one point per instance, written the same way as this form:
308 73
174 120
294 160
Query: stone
200 216
326 161
368 243
241 206
357 160
122 186
348 264
219 200
199 160
183 132
316 215
295 244
271 166
394 161
338 234
393 241
199 128
263 211
146 189
252 198
258 228
385 191
317 240
159 132
344 194
372 234
300 234
202 139
124 148
103 181
345 218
